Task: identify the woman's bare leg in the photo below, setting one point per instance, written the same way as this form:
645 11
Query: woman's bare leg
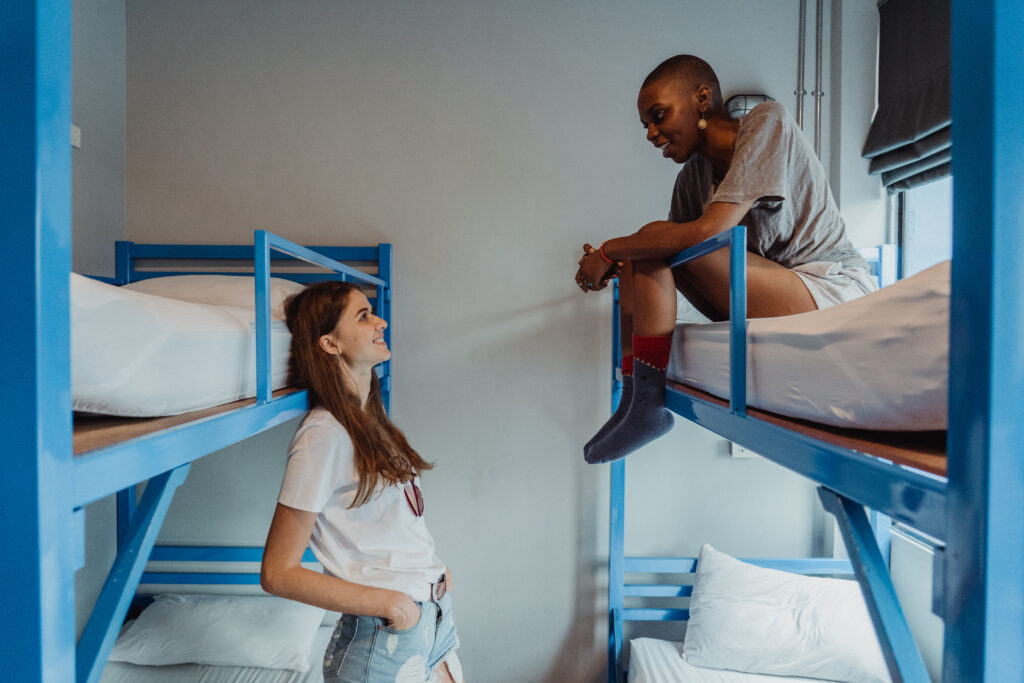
772 290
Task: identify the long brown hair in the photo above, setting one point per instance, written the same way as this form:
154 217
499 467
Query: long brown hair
381 449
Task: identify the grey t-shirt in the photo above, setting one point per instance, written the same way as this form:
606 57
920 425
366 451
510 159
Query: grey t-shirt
794 219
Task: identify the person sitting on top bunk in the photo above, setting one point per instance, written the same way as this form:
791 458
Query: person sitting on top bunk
759 171
351 492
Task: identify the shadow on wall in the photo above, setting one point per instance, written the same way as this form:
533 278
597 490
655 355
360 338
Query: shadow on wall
576 401
584 648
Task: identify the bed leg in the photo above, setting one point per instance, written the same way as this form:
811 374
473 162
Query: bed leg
112 605
898 646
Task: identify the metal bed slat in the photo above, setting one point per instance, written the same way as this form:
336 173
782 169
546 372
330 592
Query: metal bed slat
191 553
652 614
661 590
237 252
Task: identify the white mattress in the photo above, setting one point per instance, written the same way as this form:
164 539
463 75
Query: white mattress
660 661
120 672
139 355
878 362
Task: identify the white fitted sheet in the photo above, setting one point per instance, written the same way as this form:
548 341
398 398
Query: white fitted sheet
120 672
139 355
661 661
878 362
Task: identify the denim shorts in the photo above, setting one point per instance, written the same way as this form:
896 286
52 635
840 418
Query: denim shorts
364 649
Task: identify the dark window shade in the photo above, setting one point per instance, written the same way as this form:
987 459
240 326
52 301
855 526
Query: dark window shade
909 139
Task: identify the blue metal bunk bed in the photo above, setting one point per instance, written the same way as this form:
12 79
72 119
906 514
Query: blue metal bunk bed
162 457
103 466
973 509
45 484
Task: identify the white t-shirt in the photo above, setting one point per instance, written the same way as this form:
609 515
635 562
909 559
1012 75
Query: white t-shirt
381 543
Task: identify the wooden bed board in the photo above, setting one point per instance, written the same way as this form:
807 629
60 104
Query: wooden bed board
100 431
920 450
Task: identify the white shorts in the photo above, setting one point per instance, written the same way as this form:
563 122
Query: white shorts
833 283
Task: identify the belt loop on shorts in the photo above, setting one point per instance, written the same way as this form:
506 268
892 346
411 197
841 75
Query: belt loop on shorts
438 588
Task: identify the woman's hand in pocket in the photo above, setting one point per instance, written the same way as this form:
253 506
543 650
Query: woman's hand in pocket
401 613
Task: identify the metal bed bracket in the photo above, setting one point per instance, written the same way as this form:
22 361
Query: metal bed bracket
112 605
898 646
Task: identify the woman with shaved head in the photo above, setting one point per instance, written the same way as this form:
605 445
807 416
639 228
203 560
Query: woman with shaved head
758 171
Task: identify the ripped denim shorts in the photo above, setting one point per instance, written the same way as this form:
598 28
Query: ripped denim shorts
364 649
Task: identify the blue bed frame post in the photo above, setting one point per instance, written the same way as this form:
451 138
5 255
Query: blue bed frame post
384 295
616 514
981 587
40 530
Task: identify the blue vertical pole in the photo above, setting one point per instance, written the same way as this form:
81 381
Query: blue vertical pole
261 282
738 320
124 268
616 513
616 560
384 311
37 593
983 568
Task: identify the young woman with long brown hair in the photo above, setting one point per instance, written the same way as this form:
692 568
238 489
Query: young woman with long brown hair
352 492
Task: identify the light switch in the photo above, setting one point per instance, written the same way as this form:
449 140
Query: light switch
76 137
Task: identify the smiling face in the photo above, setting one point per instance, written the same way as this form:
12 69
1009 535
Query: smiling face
358 337
670 117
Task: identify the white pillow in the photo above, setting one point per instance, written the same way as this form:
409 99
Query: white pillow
757 620
218 290
226 630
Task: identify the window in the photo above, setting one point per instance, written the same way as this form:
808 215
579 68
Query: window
926 225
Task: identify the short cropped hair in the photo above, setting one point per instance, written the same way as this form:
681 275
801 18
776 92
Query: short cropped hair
687 72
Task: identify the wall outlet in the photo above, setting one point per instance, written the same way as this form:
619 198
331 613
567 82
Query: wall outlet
738 451
76 137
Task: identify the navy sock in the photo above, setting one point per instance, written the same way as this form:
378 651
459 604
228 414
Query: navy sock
618 416
646 420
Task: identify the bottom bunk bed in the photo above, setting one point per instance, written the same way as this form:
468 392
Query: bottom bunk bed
748 621
197 621
113 454
897 474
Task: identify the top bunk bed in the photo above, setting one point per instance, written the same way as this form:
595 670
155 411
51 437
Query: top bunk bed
717 370
170 311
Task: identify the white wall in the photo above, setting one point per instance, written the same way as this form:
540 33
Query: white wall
861 197
97 108
487 141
